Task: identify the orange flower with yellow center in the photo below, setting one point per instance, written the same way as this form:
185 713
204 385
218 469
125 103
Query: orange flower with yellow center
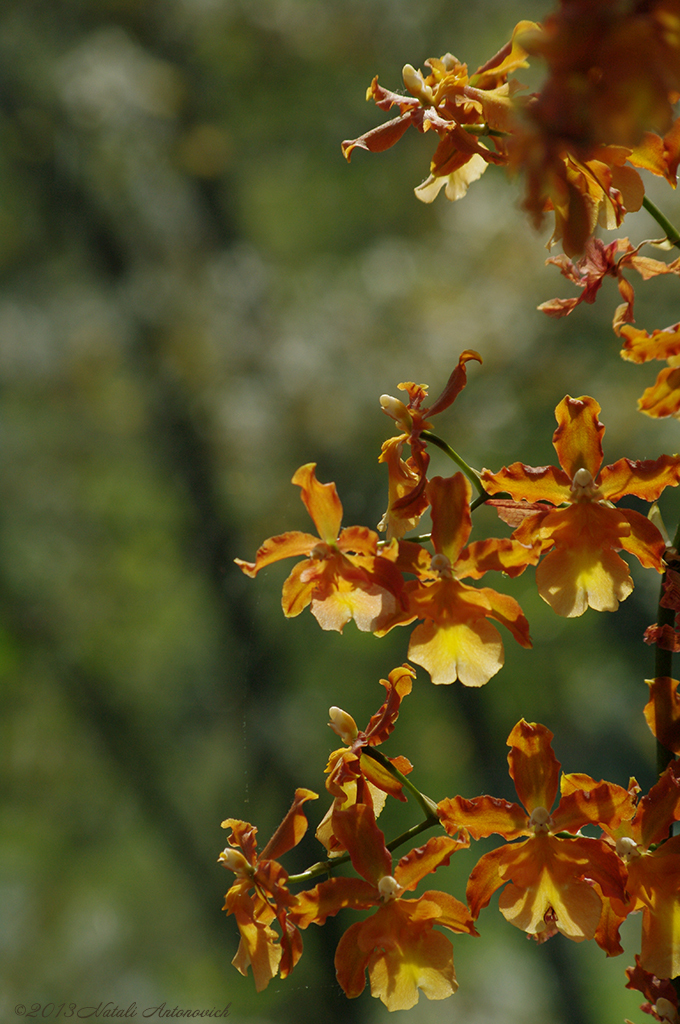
397 945
582 568
547 879
456 640
343 576
653 862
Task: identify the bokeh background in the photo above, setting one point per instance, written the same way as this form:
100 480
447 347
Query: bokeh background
198 295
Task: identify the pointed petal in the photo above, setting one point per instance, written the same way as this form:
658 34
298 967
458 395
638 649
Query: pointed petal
645 540
315 905
292 828
451 520
286 545
483 816
660 808
646 478
533 766
578 438
357 831
455 383
529 483
506 610
321 501
662 712
398 685
663 398
436 852
487 876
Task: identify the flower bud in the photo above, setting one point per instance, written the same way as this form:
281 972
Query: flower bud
235 861
344 725
665 1009
416 85
396 409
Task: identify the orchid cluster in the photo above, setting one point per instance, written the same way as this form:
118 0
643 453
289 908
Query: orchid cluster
577 856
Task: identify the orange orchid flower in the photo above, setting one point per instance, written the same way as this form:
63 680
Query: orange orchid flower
261 947
547 880
343 576
600 261
459 108
407 478
582 568
653 863
662 999
354 776
663 397
456 640
397 945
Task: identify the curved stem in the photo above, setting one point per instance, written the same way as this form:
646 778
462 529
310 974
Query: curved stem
471 474
672 233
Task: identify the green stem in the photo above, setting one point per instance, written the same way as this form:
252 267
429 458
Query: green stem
428 806
471 474
672 233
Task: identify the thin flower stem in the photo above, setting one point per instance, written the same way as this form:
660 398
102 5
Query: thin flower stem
428 806
672 233
471 474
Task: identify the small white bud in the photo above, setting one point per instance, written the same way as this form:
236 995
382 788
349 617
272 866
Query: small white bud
343 724
417 86
235 861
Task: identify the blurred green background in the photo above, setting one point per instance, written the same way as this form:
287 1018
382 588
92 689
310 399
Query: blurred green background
198 295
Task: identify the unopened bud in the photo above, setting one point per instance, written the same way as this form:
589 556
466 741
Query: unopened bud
388 888
343 724
665 1009
235 861
396 409
417 86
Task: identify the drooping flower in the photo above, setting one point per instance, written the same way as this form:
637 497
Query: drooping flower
653 865
459 108
407 478
353 775
662 999
550 883
397 946
663 397
600 261
456 639
343 577
581 568
261 947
